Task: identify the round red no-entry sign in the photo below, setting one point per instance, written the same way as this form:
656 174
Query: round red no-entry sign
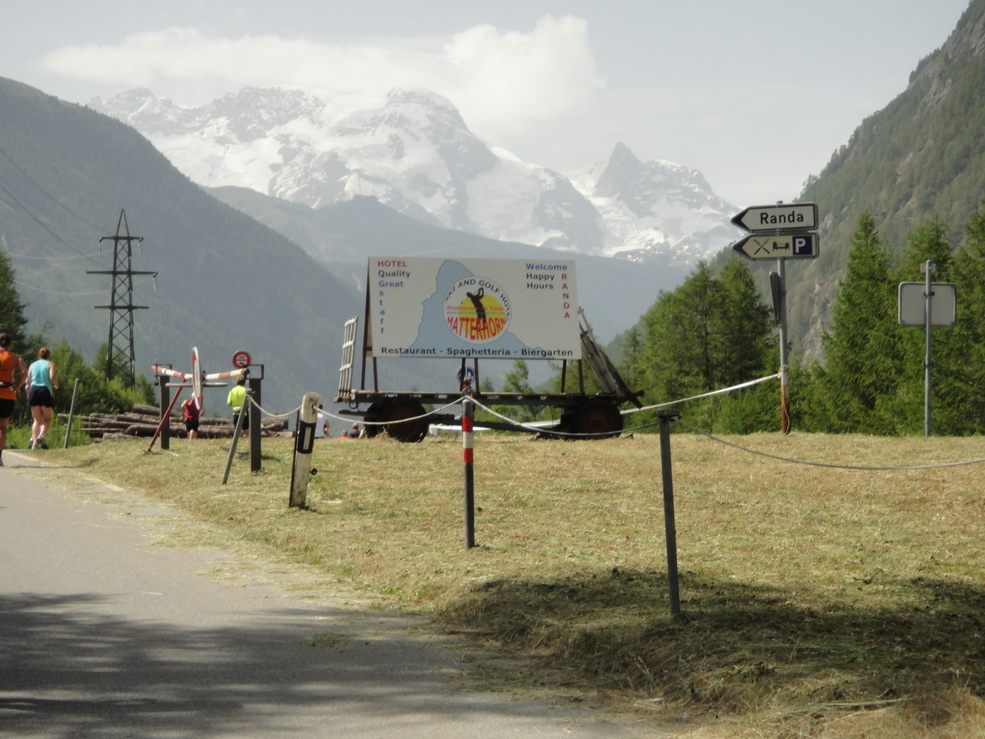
241 360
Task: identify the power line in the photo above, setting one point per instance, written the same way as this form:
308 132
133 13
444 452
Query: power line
40 258
21 283
24 209
42 189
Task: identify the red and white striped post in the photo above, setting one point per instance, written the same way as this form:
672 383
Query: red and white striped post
468 413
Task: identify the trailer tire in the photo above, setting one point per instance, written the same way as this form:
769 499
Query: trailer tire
599 417
394 413
371 418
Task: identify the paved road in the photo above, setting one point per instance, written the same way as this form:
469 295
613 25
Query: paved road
104 633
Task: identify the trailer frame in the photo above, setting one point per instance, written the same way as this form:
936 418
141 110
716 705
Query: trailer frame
403 415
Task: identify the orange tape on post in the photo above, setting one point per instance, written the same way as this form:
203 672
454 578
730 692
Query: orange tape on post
469 492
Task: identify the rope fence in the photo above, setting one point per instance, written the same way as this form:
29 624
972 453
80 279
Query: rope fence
348 419
268 413
533 428
539 429
824 464
720 391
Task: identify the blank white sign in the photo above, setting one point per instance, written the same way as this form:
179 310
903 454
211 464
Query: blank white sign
913 304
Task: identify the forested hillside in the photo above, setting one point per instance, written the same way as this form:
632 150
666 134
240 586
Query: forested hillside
224 282
923 154
907 188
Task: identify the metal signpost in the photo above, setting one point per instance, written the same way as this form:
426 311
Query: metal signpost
779 232
927 304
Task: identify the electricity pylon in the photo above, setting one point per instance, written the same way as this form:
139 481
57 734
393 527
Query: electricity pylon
119 352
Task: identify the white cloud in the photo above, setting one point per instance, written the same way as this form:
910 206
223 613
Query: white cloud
502 82
511 79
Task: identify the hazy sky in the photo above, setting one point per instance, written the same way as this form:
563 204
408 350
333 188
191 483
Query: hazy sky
756 94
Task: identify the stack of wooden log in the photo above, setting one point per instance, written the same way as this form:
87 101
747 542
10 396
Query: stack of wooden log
143 421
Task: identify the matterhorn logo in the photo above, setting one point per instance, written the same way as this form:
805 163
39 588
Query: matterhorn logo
477 310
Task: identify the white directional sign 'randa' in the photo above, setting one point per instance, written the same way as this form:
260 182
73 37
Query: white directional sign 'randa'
473 308
779 217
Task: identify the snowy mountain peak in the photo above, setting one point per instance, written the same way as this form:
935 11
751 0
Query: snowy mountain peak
620 171
413 152
656 208
438 109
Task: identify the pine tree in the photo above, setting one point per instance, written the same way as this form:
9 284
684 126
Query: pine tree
928 242
959 352
744 327
862 354
517 380
676 360
749 351
632 346
12 319
708 334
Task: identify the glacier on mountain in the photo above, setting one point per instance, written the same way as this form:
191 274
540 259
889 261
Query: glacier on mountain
414 153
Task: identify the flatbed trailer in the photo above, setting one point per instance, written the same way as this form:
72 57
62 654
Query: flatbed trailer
404 415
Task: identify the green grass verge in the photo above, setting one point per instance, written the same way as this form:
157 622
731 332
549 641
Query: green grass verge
817 601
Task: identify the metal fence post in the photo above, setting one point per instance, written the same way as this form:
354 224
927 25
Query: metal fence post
71 413
468 414
669 523
256 452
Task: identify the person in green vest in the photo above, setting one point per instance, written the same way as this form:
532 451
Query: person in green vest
236 400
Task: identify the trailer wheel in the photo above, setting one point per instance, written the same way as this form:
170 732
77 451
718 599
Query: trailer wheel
394 413
597 416
371 418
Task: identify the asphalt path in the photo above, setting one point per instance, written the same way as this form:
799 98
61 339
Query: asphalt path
105 632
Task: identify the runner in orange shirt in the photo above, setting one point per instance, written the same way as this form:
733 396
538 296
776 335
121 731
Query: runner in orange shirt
13 374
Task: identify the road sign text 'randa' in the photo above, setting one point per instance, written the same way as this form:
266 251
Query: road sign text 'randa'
795 216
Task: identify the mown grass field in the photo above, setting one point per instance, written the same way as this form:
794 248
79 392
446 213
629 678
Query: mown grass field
817 601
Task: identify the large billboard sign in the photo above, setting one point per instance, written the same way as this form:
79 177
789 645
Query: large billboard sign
473 308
